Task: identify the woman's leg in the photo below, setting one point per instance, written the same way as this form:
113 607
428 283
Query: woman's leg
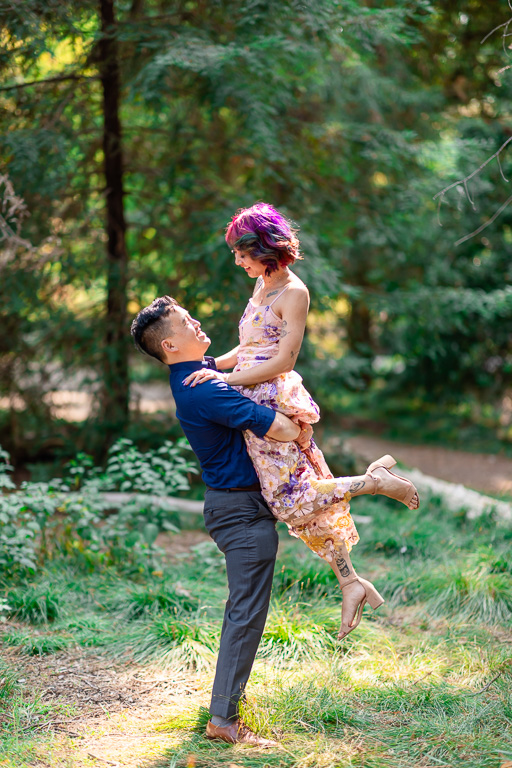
356 591
316 509
328 532
323 537
379 480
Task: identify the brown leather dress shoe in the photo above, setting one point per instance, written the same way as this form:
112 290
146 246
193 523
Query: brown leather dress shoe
237 733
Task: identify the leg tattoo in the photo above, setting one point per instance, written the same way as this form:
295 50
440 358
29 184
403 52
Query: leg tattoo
342 566
356 486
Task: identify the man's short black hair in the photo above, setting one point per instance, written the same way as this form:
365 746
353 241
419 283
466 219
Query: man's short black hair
150 326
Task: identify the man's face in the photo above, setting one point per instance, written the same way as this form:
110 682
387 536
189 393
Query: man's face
187 336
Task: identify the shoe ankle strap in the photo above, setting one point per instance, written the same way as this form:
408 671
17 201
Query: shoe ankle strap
350 580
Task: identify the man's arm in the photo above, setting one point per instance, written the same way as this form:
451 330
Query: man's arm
224 405
283 429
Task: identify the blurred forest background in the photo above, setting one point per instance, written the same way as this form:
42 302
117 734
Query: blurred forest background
132 130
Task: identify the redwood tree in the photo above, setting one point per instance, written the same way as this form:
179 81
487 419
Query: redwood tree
116 383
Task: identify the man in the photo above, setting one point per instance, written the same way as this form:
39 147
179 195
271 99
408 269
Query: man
237 518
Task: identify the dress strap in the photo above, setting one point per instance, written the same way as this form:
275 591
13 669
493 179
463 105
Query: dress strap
279 294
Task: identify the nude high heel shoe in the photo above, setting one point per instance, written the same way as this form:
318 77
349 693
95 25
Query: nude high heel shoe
391 485
371 596
354 600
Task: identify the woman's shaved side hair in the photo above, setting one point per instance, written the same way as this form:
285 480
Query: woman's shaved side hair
152 326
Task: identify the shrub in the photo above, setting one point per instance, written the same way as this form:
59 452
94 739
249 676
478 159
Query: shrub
71 515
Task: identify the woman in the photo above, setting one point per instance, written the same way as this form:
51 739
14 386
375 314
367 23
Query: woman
296 483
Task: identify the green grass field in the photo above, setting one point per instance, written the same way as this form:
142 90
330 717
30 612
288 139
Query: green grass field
425 681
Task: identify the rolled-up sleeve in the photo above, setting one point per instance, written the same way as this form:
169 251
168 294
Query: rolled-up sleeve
224 405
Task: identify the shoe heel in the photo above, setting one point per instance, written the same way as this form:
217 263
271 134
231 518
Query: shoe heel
373 598
386 461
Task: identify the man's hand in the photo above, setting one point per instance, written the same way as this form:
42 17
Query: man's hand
204 374
305 435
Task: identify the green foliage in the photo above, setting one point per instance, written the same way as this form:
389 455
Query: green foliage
339 113
472 591
38 645
35 603
142 600
301 578
7 684
70 516
5 468
161 472
291 634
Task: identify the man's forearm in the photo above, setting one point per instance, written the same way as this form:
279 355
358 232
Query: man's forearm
283 429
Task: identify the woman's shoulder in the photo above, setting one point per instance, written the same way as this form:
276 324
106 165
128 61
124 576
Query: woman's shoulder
296 289
294 298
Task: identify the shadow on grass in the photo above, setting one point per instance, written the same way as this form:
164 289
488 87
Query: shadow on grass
196 751
397 725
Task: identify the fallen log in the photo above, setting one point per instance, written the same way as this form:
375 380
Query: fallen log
171 503
457 497
174 504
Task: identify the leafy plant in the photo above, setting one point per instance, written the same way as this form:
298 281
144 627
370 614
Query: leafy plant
5 468
144 600
161 471
35 603
37 645
71 515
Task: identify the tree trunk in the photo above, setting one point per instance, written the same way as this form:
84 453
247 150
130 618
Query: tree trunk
358 328
116 382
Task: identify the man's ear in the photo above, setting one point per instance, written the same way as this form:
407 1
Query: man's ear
168 346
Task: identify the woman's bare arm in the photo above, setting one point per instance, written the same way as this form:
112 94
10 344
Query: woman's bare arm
228 360
294 313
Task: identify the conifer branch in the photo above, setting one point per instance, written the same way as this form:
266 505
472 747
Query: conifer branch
482 41
486 223
56 79
467 178
464 182
505 35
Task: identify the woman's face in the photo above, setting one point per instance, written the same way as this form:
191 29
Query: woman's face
253 267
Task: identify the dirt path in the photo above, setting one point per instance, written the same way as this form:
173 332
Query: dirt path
482 471
125 710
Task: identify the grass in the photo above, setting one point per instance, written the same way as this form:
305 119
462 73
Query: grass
22 713
426 681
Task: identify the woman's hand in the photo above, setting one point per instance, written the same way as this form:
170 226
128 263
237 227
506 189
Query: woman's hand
305 435
204 374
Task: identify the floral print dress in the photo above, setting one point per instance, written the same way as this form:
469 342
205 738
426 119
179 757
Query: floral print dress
297 485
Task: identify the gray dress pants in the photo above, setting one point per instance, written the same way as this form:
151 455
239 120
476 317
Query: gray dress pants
244 529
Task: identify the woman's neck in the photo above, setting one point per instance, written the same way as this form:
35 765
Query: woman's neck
277 278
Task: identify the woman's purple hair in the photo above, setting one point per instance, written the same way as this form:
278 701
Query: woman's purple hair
264 234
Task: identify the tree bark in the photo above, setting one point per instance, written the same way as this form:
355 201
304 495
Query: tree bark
358 327
116 381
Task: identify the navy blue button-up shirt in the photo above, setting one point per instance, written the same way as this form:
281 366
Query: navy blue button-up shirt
212 416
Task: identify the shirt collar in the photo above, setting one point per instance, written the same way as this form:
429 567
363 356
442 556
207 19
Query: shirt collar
188 366
194 365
